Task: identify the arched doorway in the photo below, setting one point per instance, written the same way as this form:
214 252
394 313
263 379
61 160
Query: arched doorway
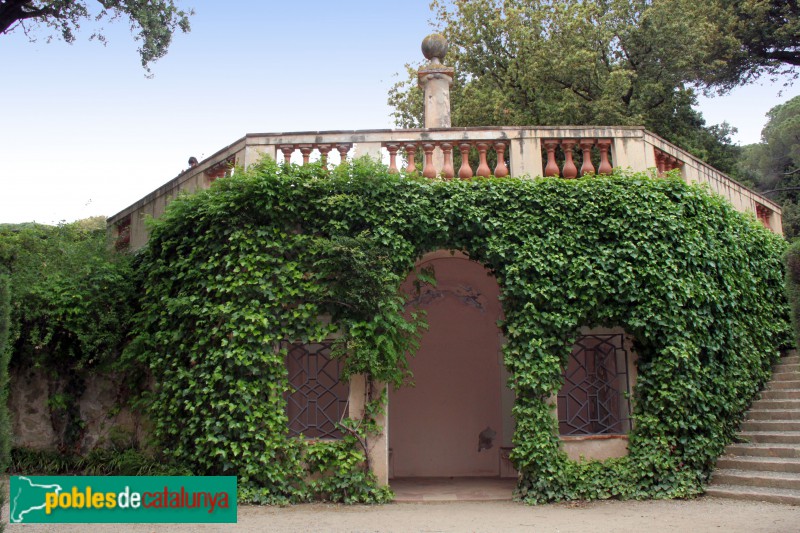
457 418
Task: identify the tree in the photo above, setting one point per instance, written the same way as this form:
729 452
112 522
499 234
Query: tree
751 38
152 21
587 62
775 162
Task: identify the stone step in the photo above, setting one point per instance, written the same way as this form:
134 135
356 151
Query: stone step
764 464
746 478
772 425
793 384
762 494
786 367
785 394
774 414
789 359
776 405
763 450
785 376
771 437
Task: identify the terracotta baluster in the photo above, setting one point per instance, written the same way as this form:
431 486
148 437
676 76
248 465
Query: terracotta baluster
411 153
661 162
672 163
570 170
604 145
392 148
429 171
552 167
501 170
447 170
287 150
343 149
323 153
306 150
465 172
483 167
586 147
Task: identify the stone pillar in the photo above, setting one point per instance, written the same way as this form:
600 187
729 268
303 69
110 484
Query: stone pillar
377 445
435 80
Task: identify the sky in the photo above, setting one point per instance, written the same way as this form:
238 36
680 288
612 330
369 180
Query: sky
86 133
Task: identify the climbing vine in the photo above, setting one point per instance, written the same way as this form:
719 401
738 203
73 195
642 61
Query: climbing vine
284 254
70 309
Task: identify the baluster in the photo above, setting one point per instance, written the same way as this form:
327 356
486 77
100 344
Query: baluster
465 172
661 162
287 150
552 167
586 147
672 163
428 171
306 149
501 170
447 170
323 153
411 154
604 145
570 170
343 149
392 148
483 167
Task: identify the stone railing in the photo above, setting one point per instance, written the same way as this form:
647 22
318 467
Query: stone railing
566 151
666 156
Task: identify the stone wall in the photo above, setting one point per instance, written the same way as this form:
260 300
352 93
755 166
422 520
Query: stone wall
105 422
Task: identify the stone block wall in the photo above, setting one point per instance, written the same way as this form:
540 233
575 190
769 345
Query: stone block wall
105 422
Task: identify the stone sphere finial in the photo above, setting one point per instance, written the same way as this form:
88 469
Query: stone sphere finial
434 47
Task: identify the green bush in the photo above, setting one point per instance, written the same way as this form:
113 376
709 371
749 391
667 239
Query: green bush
792 260
5 354
70 311
235 273
98 462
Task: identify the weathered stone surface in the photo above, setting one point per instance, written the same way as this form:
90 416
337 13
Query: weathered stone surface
106 422
30 415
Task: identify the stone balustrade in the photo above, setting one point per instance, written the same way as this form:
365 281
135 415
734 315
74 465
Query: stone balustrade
568 146
446 169
449 153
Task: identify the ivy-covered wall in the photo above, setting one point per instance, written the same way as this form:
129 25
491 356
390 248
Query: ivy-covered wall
71 300
232 273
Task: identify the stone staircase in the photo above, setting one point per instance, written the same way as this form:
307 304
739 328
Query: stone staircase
767 466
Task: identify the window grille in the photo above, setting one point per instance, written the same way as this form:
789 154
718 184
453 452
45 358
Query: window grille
316 400
594 398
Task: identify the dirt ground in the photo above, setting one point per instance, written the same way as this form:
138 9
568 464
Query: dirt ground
700 515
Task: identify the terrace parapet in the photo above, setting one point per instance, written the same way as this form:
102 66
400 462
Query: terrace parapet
565 151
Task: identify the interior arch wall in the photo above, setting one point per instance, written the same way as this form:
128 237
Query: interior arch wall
460 380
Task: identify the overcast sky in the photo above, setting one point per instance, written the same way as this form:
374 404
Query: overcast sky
85 133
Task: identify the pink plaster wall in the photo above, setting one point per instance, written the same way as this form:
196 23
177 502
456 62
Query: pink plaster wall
434 426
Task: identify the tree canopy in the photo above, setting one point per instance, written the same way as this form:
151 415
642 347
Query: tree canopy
153 22
774 163
751 38
598 62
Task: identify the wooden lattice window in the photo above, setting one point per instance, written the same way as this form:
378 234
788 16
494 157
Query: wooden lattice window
317 399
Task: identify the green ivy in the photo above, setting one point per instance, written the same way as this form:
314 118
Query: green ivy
282 254
792 260
71 307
